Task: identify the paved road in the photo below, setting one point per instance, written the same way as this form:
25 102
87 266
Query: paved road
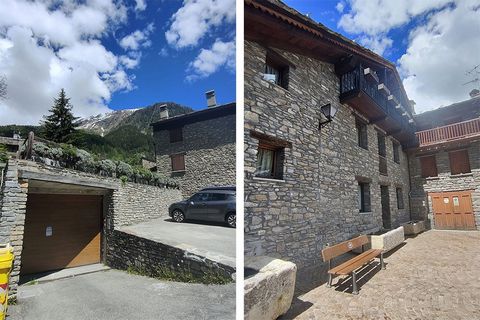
433 276
117 295
216 242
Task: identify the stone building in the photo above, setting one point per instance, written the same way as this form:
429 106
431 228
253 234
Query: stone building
313 179
198 148
445 167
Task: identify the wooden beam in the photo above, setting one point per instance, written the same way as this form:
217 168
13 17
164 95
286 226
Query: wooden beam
80 181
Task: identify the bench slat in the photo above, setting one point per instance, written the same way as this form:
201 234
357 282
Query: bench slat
356 262
343 247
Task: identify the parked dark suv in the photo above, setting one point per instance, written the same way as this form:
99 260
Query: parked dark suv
208 204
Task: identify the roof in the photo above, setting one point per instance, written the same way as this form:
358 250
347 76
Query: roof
456 112
321 33
197 116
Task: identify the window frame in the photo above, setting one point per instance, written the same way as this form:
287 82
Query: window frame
459 169
364 194
400 200
176 134
362 128
396 152
422 166
174 156
276 170
278 64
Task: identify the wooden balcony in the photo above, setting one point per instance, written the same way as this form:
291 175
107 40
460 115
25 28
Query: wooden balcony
360 89
453 132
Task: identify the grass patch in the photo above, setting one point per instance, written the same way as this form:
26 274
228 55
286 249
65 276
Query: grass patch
165 273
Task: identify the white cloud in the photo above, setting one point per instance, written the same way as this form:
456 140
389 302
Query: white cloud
439 54
43 50
379 16
140 5
130 62
378 44
340 6
442 46
196 18
137 39
210 60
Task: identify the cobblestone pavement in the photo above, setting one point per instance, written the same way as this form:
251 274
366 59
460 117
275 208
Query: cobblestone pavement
435 275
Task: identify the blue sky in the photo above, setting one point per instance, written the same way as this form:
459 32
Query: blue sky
434 43
114 54
161 74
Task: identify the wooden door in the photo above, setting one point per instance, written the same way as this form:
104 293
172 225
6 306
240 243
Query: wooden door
61 231
453 210
385 202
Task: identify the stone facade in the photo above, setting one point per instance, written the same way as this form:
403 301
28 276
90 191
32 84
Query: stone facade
316 202
421 204
209 152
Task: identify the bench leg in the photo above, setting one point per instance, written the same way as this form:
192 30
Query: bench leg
354 283
329 284
381 261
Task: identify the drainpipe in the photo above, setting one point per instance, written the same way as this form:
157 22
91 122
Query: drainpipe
409 188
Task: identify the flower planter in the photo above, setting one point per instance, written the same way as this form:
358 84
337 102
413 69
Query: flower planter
414 227
388 240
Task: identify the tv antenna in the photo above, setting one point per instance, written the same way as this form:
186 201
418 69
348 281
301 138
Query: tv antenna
475 72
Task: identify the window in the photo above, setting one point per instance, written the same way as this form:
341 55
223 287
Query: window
275 66
176 134
382 149
382 153
269 161
202 197
396 152
362 133
459 162
400 198
428 165
364 197
218 197
178 162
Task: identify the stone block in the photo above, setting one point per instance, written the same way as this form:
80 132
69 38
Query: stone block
388 240
414 228
269 291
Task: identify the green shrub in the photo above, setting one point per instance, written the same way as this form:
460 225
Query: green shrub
3 153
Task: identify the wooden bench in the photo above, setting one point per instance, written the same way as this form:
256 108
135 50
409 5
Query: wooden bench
350 266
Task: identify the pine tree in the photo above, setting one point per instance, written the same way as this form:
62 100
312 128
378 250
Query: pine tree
60 124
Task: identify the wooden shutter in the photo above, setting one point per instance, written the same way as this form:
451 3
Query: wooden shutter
176 134
178 162
459 162
428 165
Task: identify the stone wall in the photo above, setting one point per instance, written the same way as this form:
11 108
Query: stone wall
126 251
317 201
13 207
124 203
133 202
421 204
209 148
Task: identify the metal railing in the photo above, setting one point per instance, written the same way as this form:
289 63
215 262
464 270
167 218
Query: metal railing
456 131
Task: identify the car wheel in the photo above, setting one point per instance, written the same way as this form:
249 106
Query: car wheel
231 219
178 215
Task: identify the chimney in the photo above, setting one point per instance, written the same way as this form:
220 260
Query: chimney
474 93
163 112
211 100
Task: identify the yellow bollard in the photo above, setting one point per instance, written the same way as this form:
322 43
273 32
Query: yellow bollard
6 262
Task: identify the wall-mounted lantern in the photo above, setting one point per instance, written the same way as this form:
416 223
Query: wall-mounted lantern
329 112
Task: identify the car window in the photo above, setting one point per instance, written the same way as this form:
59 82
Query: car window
218 197
199 197
231 196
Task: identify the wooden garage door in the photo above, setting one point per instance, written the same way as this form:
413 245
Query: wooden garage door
453 210
61 231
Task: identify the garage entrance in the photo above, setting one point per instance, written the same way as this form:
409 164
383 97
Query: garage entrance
61 231
453 210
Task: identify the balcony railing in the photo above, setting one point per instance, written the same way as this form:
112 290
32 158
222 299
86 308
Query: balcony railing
452 132
364 80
